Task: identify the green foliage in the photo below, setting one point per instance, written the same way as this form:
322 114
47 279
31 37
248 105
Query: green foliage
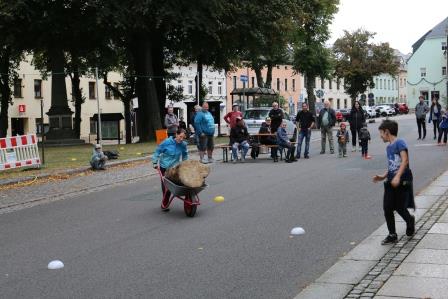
358 61
175 94
267 100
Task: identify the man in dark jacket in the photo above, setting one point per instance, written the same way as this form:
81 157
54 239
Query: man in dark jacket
305 122
420 113
435 115
276 115
327 120
356 119
268 140
239 140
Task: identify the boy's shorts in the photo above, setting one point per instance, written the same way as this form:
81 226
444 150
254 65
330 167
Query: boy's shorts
206 143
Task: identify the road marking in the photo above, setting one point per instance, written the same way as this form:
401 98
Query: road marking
425 144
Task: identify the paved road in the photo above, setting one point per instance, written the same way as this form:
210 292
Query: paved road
116 243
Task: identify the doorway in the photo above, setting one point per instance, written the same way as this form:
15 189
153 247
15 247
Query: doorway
425 96
17 126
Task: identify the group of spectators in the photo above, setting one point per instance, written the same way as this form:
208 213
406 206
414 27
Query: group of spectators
437 116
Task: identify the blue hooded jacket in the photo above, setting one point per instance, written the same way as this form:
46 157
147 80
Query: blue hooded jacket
204 123
169 153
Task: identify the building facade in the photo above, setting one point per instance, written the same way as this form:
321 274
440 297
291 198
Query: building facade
214 82
427 66
30 90
284 81
329 89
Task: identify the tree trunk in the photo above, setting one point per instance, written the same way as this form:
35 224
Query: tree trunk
269 75
148 112
77 96
158 62
310 84
5 93
199 77
259 76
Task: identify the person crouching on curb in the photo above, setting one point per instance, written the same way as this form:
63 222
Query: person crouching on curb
364 139
283 142
398 191
168 154
98 160
239 140
343 138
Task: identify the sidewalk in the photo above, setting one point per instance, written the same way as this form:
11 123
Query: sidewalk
414 267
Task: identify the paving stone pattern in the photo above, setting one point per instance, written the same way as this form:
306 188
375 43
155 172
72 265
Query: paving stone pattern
369 286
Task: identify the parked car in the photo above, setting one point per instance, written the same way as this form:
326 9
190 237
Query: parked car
345 114
370 111
403 108
385 110
254 117
394 109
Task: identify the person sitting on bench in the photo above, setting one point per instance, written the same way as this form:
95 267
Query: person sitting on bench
268 140
283 142
98 160
239 137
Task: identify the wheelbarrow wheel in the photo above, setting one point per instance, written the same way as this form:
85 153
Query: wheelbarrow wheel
189 209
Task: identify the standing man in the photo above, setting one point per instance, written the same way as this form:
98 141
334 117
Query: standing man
171 122
305 121
327 120
435 115
204 124
230 118
420 112
276 115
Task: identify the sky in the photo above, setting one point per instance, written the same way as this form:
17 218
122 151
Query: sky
399 22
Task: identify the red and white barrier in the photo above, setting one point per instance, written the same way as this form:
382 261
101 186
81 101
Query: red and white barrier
19 151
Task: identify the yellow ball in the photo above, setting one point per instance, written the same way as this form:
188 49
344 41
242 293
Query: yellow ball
74 159
218 199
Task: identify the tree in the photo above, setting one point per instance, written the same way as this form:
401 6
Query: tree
311 57
358 61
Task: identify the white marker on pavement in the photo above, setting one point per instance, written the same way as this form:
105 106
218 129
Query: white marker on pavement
55 265
297 231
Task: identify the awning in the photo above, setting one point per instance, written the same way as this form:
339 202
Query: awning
253 91
109 117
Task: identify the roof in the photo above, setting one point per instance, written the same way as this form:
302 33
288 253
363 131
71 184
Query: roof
438 31
108 116
253 91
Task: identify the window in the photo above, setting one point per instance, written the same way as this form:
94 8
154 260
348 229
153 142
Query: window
381 83
338 84
286 67
107 93
190 86
423 72
38 89
278 67
116 94
179 85
38 126
293 84
234 82
322 83
376 83
338 104
345 103
443 46
330 84
388 84
278 83
401 82
220 88
210 87
404 83
286 84
92 95
253 81
443 70
92 126
17 88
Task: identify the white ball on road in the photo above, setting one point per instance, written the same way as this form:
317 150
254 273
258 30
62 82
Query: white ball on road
297 231
55 265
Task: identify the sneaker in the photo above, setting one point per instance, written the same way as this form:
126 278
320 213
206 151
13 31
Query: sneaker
298 157
419 138
410 229
353 149
345 155
204 161
367 157
322 152
307 157
234 161
331 152
390 239
439 144
288 161
210 160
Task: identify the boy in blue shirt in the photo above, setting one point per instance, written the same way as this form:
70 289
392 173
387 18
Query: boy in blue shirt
398 192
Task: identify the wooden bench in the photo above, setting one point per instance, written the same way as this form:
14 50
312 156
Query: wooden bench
227 148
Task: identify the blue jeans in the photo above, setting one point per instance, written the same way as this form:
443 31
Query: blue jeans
307 135
244 146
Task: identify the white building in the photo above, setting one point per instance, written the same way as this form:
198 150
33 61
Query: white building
213 80
328 89
30 90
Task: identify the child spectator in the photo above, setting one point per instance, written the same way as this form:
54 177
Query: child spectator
98 159
364 139
443 129
343 137
398 191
